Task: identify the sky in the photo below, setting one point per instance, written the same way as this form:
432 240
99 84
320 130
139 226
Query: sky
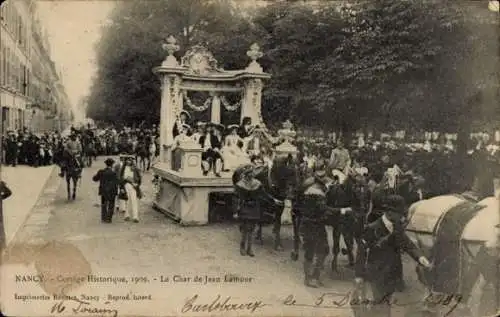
73 28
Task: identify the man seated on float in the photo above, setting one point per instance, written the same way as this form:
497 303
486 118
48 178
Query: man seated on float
72 151
200 130
232 151
211 144
183 118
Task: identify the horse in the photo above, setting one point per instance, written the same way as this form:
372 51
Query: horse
142 155
460 236
347 191
89 151
73 172
280 182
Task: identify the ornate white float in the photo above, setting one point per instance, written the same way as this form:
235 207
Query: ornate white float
183 191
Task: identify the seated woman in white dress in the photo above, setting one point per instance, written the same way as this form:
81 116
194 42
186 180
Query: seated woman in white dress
232 151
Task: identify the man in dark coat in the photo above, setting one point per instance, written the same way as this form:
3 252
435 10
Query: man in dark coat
379 254
314 211
108 189
11 150
211 145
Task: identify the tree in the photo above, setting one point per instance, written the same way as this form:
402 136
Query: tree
126 90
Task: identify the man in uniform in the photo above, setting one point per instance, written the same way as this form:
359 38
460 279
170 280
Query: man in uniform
72 151
379 255
340 158
313 231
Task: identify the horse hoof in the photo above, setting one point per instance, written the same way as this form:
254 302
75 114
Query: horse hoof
294 256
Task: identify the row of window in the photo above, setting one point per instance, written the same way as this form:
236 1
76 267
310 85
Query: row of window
12 119
15 74
13 71
15 24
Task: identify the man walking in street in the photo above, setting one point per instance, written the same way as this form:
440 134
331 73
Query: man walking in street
379 254
108 189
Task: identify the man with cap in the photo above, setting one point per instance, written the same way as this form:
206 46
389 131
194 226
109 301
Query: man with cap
314 210
183 118
108 189
379 254
211 144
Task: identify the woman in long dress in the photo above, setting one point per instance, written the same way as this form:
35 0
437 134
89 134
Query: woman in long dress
232 151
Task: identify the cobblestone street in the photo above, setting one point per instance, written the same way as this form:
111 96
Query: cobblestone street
157 248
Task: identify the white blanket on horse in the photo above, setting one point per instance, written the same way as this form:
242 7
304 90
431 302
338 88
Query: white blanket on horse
424 214
481 227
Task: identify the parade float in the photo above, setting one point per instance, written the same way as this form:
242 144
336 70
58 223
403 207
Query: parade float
183 192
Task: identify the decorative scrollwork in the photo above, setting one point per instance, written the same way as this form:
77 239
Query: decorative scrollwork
199 60
191 105
228 106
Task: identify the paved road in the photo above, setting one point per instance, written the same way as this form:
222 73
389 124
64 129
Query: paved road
158 249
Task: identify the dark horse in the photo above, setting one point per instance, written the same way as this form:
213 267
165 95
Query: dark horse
142 155
353 193
73 172
89 150
281 183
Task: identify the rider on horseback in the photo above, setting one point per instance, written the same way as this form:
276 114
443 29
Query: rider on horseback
72 151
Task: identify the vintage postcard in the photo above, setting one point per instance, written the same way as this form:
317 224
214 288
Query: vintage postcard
250 158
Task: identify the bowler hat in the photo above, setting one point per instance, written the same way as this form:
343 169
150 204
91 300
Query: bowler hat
395 203
109 162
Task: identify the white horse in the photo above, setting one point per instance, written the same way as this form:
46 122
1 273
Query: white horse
472 230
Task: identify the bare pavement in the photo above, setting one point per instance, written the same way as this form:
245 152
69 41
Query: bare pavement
155 267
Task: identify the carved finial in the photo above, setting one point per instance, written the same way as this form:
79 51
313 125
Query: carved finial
254 53
171 47
288 124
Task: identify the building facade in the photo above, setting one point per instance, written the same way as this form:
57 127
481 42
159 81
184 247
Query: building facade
32 93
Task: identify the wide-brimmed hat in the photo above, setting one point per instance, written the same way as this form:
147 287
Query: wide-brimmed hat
218 126
109 162
233 127
395 203
186 113
126 156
